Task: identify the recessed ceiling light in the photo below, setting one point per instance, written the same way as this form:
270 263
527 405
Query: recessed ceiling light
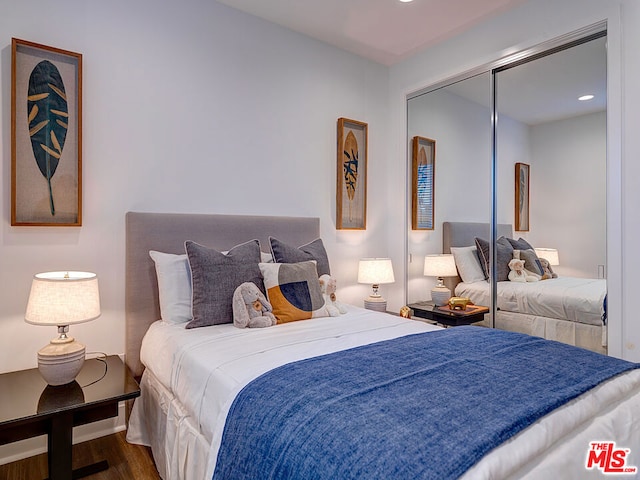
585 98
406 1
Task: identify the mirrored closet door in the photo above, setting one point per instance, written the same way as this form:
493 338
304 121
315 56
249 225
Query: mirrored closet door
456 119
551 187
518 155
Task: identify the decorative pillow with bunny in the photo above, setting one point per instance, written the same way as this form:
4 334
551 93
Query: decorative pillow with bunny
518 272
328 288
251 308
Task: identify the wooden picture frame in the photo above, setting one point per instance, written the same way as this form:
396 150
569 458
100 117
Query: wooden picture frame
46 135
522 197
423 168
351 190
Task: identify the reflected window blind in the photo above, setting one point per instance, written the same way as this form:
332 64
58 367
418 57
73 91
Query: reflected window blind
425 195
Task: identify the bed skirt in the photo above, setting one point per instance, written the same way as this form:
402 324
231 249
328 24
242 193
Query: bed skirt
591 337
158 421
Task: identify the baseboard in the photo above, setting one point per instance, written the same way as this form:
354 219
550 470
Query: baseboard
37 445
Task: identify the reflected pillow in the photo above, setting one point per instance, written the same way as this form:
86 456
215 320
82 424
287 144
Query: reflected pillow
214 278
531 261
174 286
293 290
283 253
468 264
504 254
520 244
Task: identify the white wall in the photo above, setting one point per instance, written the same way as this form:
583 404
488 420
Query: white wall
188 107
532 23
628 213
568 192
514 146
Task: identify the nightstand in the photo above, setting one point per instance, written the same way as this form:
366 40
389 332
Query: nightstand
29 408
447 317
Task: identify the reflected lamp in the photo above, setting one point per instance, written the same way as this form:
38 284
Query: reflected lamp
550 254
440 266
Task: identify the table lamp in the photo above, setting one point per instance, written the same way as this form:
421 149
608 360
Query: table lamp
375 271
550 254
440 266
62 299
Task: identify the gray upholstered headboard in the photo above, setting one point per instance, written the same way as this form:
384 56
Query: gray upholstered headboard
463 234
167 232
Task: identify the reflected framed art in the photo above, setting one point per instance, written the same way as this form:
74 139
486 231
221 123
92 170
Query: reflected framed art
423 183
522 197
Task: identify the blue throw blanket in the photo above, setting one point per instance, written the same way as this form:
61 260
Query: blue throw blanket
418 407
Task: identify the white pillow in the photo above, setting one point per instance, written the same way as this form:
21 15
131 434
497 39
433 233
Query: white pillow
174 286
266 257
468 264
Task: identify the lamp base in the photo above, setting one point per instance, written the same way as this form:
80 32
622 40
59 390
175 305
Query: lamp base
59 363
376 303
440 295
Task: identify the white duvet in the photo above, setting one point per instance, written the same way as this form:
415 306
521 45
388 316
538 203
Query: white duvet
203 369
565 298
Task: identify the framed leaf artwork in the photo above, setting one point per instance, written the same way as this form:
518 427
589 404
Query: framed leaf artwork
46 135
423 162
522 197
351 191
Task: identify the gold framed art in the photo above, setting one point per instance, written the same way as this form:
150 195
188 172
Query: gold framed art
423 162
351 190
46 135
522 197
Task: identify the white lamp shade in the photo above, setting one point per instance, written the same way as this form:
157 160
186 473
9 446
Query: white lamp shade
63 298
440 266
375 271
550 254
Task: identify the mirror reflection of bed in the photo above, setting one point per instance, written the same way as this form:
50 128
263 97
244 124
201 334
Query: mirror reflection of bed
567 309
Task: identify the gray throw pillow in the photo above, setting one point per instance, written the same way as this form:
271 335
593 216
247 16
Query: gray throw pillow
283 253
531 261
214 278
520 244
504 254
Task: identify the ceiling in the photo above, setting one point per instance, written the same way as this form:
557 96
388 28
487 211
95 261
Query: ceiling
386 31
389 31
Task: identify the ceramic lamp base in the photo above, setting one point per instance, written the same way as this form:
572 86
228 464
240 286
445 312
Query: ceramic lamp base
378 304
59 363
440 296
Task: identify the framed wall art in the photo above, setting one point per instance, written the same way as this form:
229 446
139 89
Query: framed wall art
423 161
46 135
522 197
351 191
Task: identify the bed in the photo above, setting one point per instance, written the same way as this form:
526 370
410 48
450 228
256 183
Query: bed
567 309
210 394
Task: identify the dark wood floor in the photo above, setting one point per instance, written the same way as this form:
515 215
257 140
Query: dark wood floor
126 461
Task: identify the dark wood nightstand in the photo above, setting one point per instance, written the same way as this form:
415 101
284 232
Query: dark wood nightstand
29 408
449 318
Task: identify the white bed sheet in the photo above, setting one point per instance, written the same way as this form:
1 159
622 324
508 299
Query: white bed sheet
566 298
200 371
